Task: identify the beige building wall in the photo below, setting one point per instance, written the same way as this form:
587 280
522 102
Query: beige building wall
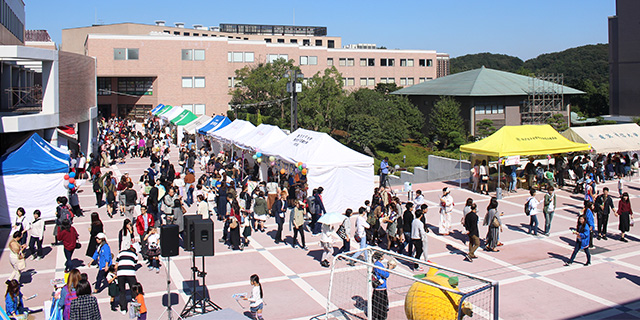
160 58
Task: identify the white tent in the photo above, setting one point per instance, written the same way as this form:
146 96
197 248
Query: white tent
234 129
174 112
193 126
32 177
607 138
262 135
345 175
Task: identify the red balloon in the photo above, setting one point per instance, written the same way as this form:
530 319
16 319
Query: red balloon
72 180
66 177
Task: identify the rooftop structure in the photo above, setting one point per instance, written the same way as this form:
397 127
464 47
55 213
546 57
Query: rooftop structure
281 30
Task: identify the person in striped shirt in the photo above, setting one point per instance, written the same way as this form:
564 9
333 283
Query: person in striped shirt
126 263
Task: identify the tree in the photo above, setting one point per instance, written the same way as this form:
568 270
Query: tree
444 119
558 122
320 104
485 128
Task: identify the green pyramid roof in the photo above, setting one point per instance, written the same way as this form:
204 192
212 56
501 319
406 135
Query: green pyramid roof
478 82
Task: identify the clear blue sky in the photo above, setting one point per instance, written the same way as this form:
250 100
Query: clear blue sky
516 27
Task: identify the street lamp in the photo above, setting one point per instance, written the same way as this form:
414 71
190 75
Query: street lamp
294 87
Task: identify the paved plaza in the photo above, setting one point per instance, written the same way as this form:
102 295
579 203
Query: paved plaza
534 284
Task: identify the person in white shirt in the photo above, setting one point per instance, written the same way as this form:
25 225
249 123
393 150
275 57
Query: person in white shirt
256 305
36 229
418 236
446 207
326 241
419 200
361 234
533 211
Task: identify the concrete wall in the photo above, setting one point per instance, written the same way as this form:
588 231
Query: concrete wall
447 169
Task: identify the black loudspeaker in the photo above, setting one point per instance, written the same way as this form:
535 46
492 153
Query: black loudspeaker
169 238
203 237
188 230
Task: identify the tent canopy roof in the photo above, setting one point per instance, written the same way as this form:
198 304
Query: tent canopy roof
34 156
524 140
184 118
197 123
478 82
157 109
262 135
316 148
607 138
218 122
234 129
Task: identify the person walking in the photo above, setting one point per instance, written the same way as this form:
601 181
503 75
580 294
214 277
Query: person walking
126 265
144 222
418 233
326 241
278 210
625 213
36 229
582 241
484 177
95 228
16 256
130 198
298 225
256 304
138 293
102 255
404 222
125 235
319 207
548 209
446 207
21 225
532 203
109 189
361 234
591 220
603 207
69 237
344 231
260 211
493 232
471 224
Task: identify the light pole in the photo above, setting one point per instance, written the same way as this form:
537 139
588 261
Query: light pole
294 87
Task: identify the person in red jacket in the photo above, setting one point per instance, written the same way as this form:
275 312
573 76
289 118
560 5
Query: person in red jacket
144 223
69 237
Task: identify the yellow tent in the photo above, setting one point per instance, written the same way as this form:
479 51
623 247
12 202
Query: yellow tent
524 140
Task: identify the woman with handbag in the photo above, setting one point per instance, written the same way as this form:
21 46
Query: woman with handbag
344 230
16 255
625 213
471 224
492 219
69 237
380 297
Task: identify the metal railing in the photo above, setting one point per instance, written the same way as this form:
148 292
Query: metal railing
24 99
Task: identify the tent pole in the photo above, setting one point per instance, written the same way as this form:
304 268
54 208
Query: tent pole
460 169
499 196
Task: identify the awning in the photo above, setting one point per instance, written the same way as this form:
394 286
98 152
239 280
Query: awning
217 123
607 138
235 129
193 126
171 114
184 118
163 110
157 109
524 140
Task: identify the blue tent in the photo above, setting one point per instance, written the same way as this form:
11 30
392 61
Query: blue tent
35 156
32 177
217 123
157 109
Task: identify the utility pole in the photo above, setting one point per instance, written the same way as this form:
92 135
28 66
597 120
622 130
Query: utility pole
294 87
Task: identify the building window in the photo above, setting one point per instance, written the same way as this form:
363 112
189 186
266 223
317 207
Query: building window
350 62
348 82
406 62
367 62
198 54
425 62
230 82
421 80
371 82
280 40
305 42
136 86
308 60
384 62
187 34
187 82
293 40
342 62
403 81
267 40
329 61
104 86
125 54
176 33
387 80
188 107
409 81
187 54
330 44
363 82
489 109
233 82
193 54
199 109
479 109
273 57
240 56
198 82
318 43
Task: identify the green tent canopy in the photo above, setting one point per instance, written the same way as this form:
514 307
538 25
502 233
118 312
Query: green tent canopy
184 118
164 110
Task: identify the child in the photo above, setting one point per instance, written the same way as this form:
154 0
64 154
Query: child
246 228
153 242
137 292
113 290
620 185
256 304
37 236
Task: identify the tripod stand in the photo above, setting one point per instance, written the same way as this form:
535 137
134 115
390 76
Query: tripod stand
169 310
198 304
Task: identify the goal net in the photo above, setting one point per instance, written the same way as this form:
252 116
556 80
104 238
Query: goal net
415 290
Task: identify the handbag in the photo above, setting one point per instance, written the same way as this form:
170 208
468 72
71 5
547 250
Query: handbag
494 222
357 238
342 232
375 282
631 222
78 245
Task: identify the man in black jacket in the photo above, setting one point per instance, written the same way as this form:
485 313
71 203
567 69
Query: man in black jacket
404 223
471 224
278 209
603 206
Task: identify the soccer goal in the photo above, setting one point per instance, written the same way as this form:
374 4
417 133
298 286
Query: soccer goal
434 292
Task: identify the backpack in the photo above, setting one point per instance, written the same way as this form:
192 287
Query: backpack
312 204
67 303
65 213
527 208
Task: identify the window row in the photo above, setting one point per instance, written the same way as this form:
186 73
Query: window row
273 57
305 42
11 21
240 56
193 82
489 109
135 86
126 54
384 62
308 60
233 82
193 54
197 109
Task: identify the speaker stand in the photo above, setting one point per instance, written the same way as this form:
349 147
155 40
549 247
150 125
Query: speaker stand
169 310
195 304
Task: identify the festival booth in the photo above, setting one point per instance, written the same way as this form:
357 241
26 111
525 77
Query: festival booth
226 135
157 109
171 114
607 138
32 176
530 140
262 135
345 175
216 123
193 126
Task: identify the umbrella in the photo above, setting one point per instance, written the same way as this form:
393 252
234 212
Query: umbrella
332 218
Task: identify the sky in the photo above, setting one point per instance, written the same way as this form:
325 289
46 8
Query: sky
522 28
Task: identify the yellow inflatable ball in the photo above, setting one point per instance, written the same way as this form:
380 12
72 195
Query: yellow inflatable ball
424 302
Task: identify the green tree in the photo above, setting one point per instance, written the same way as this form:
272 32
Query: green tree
485 128
444 119
320 104
558 122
